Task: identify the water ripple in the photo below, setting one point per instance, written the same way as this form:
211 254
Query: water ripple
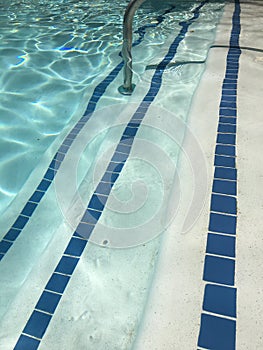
50 53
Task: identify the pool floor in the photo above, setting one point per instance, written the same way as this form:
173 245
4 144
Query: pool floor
208 287
89 278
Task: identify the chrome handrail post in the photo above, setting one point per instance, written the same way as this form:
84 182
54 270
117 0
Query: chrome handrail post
128 87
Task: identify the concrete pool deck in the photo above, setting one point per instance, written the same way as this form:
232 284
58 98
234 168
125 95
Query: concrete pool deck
172 316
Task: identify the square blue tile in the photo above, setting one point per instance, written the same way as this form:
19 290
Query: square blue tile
156 79
29 208
84 230
83 120
154 88
229 90
232 56
229 80
220 300
89 110
75 234
235 32
26 343
137 117
44 185
229 162
12 234
91 106
228 104
97 94
222 223
234 42
228 120
226 150
60 156
225 187
126 140
227 97
217 333
130 131
54 164
95 98
223 204
226 173
149 97
76 246
57 283
115 167
235 50
37 324
48 302
119 157
37 196
110 177
63 149
74 132
143 108
93 213
232 63
104 188
78 126
70 136
67 265
5 246
227 139
20 222
231 76
97 202
219 270
123 149
67 142
231 70
91 216
231 66
228 112
221 245
133 124
227 128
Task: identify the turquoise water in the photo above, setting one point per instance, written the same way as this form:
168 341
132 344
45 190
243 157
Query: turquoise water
51 52
53 55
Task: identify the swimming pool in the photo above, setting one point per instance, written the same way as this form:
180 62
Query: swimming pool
62 119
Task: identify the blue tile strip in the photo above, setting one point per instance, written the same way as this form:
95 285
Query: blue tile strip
47 303
218 318
55 164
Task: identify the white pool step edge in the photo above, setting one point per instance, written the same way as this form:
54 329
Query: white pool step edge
172 315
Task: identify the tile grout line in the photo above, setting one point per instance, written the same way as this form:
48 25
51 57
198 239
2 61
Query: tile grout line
218 316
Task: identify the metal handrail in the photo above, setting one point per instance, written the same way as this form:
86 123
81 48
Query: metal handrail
128 87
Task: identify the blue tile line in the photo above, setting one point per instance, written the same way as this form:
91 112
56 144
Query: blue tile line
29 208
218 318
45 308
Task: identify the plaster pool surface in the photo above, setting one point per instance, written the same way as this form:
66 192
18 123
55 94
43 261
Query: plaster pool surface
93 183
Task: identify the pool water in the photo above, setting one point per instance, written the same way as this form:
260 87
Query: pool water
53 56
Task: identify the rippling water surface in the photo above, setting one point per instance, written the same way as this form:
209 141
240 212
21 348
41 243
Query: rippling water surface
51 52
